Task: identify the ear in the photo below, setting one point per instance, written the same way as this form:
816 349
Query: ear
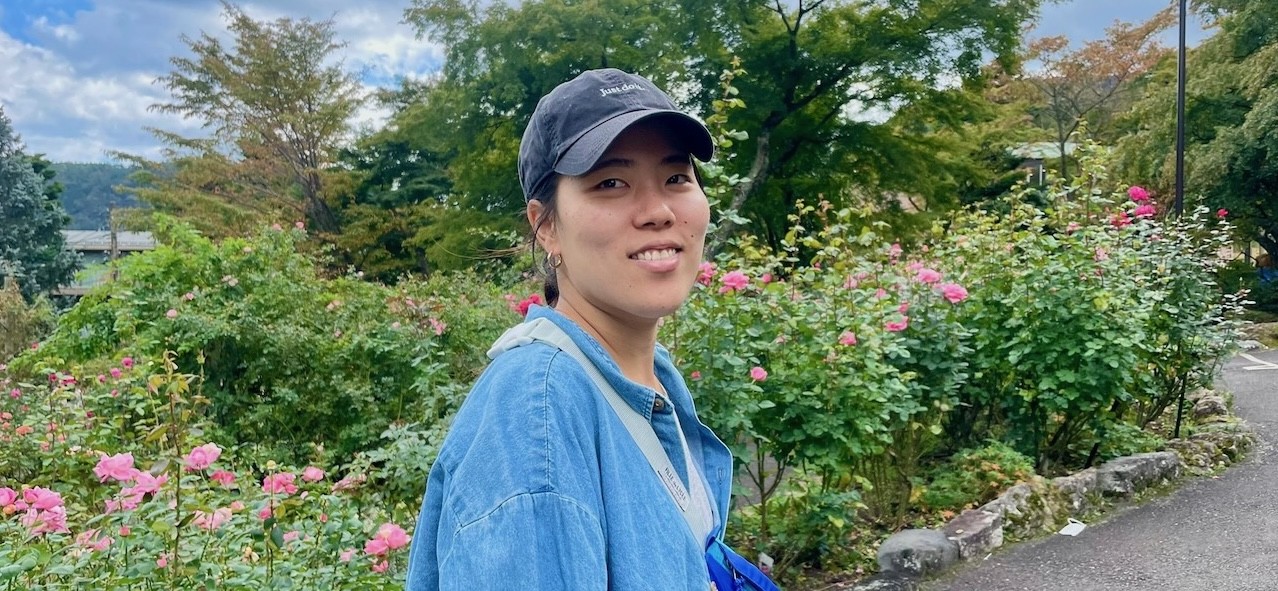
546 237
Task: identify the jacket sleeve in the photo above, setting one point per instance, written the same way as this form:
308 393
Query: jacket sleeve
539 540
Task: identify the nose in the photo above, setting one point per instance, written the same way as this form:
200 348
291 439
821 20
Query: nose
653 209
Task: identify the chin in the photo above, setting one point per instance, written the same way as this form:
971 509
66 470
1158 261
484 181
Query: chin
657 310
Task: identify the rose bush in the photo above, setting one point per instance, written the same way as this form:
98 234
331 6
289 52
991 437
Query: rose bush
289 357
90 508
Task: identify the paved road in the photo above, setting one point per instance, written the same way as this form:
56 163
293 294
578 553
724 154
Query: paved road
1216 534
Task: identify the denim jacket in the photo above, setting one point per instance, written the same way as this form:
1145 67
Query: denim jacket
538 485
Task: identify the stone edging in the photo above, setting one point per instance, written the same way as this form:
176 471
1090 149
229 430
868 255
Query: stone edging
1042 506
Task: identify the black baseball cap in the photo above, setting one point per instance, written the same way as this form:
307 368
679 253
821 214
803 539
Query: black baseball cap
574 124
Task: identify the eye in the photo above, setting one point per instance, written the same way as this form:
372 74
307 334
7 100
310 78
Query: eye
611 184
679 179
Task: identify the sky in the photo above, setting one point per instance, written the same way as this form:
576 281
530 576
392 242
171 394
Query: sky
77 76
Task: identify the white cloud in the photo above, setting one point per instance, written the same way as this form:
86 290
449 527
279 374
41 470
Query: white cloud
79 85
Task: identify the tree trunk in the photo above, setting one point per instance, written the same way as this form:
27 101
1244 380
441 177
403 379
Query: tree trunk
758 173
319 215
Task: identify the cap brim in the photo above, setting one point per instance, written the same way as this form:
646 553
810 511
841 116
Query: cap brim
582 155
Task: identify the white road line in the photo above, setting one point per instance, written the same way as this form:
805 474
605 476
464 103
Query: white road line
1263 365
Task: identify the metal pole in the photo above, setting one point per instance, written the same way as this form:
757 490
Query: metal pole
1180 114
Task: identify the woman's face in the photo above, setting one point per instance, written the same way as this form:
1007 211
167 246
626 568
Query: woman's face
631 231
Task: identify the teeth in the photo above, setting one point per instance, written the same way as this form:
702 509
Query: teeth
655 255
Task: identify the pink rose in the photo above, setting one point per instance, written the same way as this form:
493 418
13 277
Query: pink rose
127 362
528 302
118 467
212 521
94 540
7 497
280 483
1145 210
48 521
1222 213
897 326
696 375
928 276
312 474
1138 194
202 457
733 281
347 555
758 374
223 477
388 537
381 566
41 499
145 483
171 314
116 373
953 292
705 273
847 339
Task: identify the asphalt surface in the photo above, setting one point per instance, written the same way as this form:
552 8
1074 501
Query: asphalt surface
1212 534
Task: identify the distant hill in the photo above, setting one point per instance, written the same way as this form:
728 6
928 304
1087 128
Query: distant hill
88 192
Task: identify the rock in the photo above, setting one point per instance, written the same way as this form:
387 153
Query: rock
1128 475
1210 406
1249 345
1231 444
1011 504
888 582
1077 488
1197 394
917 552
976 532
1199 455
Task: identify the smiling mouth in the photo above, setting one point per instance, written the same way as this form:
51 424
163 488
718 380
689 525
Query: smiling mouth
655 255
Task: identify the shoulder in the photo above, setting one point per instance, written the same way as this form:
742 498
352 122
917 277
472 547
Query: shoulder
517 431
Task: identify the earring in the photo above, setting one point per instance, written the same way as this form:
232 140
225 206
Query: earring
555 260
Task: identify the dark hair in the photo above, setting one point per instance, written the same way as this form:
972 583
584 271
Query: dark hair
550 282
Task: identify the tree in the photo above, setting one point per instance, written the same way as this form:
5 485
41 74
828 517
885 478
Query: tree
31 220
821 78
1231 158
277 110
1088 85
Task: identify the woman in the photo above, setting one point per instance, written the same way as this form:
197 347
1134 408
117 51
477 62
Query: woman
539 484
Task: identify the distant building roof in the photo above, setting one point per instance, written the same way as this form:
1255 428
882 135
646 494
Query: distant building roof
1042 150
100 240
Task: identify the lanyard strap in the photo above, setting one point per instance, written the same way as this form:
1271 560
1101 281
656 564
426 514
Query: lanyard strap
542 329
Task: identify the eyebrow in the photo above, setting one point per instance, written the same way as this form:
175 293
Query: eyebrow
628 163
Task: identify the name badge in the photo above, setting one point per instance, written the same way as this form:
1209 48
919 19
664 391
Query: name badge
675 486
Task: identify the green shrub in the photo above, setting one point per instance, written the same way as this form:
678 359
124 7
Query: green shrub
837 365
289 358
976 476
21 324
